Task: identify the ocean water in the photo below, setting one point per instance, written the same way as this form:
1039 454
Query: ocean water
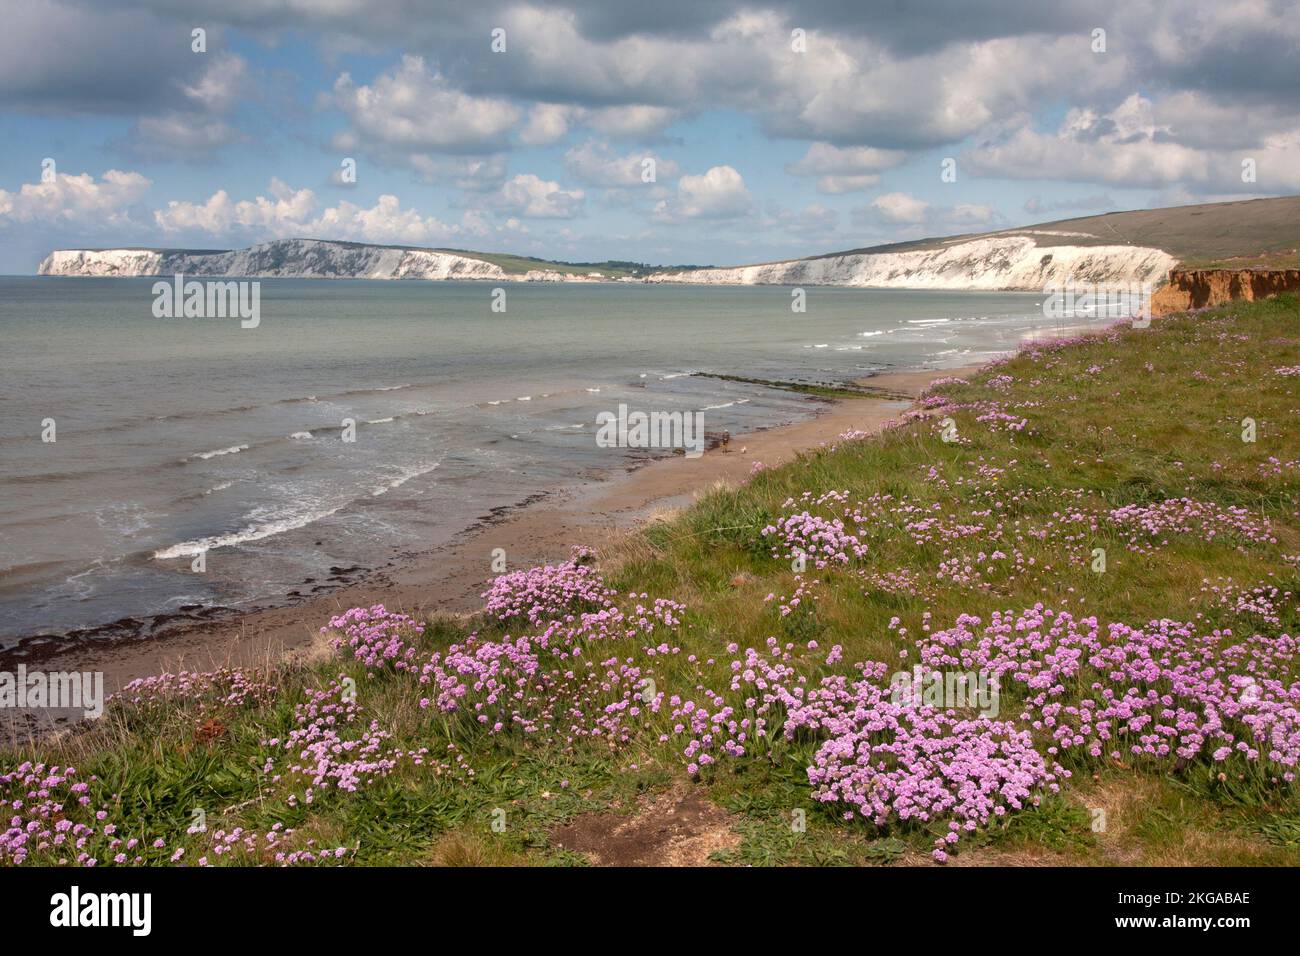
186 435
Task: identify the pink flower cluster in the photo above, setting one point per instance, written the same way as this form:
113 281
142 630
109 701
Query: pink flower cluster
1274 466
914 762
737 722
1204 519
1158 693
224 687
885 761
326 753
852 434
1263 602
546 593
49 810
804 591
820 540
251 846
993 414
549 684
376 636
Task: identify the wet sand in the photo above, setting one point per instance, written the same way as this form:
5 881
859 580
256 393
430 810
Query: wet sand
450 578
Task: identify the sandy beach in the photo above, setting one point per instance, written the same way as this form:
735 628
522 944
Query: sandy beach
450 578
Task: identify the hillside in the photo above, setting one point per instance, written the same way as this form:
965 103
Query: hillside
1112 249
1120 581
1195 235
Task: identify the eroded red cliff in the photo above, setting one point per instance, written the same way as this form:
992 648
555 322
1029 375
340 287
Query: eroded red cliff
1199 288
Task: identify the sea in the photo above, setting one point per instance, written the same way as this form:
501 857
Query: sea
361 421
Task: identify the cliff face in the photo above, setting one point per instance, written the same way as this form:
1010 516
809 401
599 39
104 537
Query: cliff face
1199 288
283 258
105 262
995 262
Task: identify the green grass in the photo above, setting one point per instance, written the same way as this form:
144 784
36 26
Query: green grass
609 269
1282 259
1137 416
1209 235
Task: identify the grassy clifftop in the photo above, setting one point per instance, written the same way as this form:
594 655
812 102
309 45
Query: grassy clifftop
1109 527
1250 233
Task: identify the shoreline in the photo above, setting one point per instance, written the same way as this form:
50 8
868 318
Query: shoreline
450 578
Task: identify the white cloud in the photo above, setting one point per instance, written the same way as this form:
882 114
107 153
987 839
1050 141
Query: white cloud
900 207
971 214
898 215
415 110
78 200
719 193
289 212
386 221
181 135
634 121
547 123
221 85
848 89
200 128
1135 145
531 197
471 173
845 169
280 215
1035 206
593 164
814 221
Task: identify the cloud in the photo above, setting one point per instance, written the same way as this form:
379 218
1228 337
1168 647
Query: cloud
280 215
180 136
922 76
470 173
289 212
814 221
386 221
845 169
1036 207
631 121
593 164
79 200
547 123
415 110
1134 146
720 193
902 212
531 197
223 82
900 207
201 128
69 57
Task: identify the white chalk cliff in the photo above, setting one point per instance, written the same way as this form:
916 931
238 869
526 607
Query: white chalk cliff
283 258
1014 262
991 262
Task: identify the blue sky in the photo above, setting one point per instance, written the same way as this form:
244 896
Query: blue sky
767 143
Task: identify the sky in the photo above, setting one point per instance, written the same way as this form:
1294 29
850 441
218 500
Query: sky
667 132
